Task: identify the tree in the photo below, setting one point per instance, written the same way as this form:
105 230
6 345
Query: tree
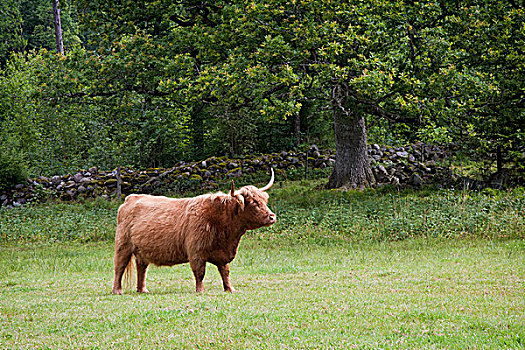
162 81
340 56
58 27
11 39
395 60
489 39
139 64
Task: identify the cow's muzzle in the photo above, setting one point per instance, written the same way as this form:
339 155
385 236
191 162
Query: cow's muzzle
272 218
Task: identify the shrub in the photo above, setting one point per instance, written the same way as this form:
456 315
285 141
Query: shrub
12 169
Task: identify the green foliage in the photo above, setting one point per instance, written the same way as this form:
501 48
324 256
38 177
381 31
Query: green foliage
55 222
433 134
150 83
27 25
12 169
390 215
487 38
11 39
38 24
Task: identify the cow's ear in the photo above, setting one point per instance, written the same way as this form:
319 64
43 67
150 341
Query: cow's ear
240 201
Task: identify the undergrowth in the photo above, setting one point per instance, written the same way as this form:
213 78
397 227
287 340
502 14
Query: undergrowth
306 214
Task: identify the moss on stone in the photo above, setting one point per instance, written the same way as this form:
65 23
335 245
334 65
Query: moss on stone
196 177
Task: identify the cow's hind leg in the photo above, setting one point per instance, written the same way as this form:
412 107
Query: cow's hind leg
142 266
198 266
121 260
224 270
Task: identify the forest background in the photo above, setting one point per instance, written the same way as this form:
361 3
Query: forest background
150 83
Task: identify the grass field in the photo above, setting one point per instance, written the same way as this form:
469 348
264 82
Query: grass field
333 273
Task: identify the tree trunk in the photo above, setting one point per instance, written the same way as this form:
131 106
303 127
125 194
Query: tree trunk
352 166
297 130
58 28
197 132
118 194
301 123
499 159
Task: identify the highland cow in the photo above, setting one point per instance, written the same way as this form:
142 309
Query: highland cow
168 231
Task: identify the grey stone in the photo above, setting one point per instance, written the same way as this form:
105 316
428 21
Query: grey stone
423 167
85 180
394 180
237 173
380 173
415 180
70 184
77 177
56 180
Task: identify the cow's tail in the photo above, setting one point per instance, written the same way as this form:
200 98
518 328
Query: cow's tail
128 273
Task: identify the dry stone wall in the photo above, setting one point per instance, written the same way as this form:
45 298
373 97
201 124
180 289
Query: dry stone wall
413 165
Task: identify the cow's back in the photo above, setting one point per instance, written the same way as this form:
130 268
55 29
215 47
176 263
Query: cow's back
158 227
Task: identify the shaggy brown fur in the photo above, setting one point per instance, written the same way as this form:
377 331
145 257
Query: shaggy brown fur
168 231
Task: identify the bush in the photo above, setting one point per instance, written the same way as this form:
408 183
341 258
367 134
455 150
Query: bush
12 170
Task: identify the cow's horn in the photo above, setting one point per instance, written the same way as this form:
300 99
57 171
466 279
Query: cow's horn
267 187
232 191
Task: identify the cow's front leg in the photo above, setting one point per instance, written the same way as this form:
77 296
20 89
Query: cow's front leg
198 266
224 270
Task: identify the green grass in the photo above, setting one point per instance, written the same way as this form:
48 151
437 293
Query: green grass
378 269
409 294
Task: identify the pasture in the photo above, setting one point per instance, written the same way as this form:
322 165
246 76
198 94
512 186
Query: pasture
377 269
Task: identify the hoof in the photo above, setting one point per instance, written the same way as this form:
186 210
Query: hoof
117 291
145 291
